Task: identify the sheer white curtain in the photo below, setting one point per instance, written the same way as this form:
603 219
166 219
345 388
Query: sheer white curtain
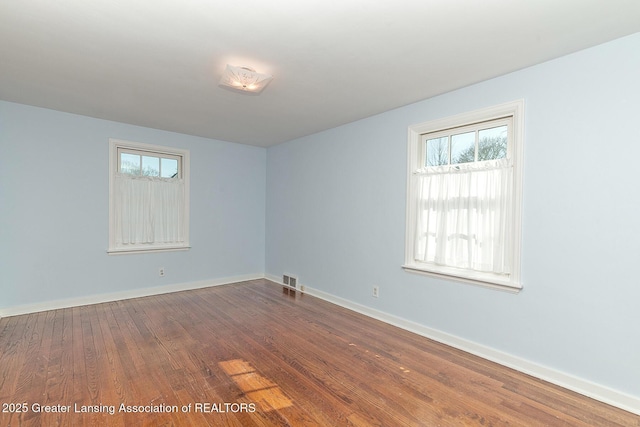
464 216
149 210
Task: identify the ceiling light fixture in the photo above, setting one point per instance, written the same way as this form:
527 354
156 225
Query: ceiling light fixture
244 79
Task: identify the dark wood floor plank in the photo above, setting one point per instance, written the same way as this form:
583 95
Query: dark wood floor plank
159 366
58 376
115 385
298 360
10 340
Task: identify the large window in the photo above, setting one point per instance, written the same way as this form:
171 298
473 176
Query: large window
464 197
148 197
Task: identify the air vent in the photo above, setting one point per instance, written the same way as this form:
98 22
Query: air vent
290 281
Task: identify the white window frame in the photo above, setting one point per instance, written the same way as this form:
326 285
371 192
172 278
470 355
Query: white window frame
115 147
415 161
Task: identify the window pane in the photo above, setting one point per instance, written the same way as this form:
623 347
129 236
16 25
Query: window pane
169 168
130 163
492 143
463 148
437 151
150 166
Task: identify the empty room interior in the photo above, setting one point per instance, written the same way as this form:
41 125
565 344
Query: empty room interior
412 213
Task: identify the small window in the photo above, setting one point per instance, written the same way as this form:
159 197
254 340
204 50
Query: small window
144 163
148 199
464 198
471 144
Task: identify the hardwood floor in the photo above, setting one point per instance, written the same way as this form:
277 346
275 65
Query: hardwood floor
254 354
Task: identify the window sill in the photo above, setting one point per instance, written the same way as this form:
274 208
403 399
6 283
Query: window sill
150 249
478 279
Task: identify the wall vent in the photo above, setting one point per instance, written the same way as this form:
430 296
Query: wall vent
290 281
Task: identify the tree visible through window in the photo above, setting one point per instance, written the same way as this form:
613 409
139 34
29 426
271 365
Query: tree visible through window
464 196
145 164
467 147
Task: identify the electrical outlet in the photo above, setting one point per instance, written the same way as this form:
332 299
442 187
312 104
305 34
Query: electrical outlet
376 291
161 271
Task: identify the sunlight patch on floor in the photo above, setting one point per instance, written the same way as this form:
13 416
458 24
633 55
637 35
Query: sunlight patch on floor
261 390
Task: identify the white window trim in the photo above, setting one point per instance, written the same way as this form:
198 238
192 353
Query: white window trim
114 145
514 109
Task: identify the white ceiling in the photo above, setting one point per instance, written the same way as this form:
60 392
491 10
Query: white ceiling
157 63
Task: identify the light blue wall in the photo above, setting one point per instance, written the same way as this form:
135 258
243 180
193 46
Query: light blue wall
54 209
336 218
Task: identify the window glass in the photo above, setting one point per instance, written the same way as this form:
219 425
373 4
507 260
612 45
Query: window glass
437 151
169 168
150 166
492 143
130 163
463 148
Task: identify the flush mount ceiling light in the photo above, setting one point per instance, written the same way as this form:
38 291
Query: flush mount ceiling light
244 79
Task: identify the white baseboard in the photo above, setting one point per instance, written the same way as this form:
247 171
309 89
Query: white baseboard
123 295
587 388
